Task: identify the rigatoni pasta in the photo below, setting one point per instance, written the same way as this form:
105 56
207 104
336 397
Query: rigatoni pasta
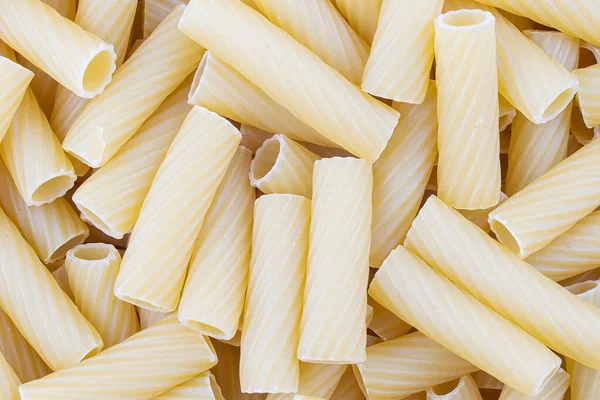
61 277
9 390
318 380
14 80
554 390
252 138
385 323
587 95
480 217
227 373
148 318
155 11
362 15
202 387
506 114
463 389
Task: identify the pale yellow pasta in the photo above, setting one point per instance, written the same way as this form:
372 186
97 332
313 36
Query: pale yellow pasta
400 175
348 387
588 54
91 270
409 364
253 138
574 144
134 46
402 53
155 11
590 275
587 95
362 15
468 174
66 8
333 328
153 269
236 340
9 390
310 89
464 388
61 277
33 300
213 296
480 217
519 21
385 323
112 197
283 166
227 373
148 317
428 301
326 152
554 390
138 88
568 192
202 387
14 80
486 381
225 91
76 59
319 26
318 380
582 133
144 365
488 270
506 114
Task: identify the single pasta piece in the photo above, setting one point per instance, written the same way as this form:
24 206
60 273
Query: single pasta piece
76 59
62 278
9 390
468 142
400 175
283 166
409 364
575 251
30 137
554 390
431 303
536 148
318 380
149 318
519 21
111 199
33 300
488 270
252 138
590 275
14 80
385 323
138 88
362 15
202 387
151 358
155 11
268 361
51 229
213 296
582 133
464 388
480 217
348 387
310 89
225 91
236 340
486 381
92 269
568 192
319 26
587 96
506 114
333 328
153 269
402 53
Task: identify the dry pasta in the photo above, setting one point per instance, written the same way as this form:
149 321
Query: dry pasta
148 318
227 373
480 217
61 277
587 95
385 323
318 380
253 138
362 15
486 381
506 114
463 389
202 387
155 11
9 390
554 390
348 387
14 80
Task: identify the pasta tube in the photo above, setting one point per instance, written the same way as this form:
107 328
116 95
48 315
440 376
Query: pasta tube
569 192
310 89
153 271
506 114
463 389
202 387
469 167
333 328
92 269
587 96
480 217
318 380
155 11
283 166
402 54
268 361
61 277
14 80
78 60
385 323
582 133
33 300
227 373
326 152
9 390
488 270
446 311
112 197
213 297
149 318
66 8
590 275
391 367
400 175
252 138
320 28
362 15
486 381
136 91
554 390
154 368
348 387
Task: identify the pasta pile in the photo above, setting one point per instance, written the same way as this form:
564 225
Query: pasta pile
299 199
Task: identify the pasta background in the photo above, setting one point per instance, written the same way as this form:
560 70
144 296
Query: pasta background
464 389
10 382
13 81
362 15
555 389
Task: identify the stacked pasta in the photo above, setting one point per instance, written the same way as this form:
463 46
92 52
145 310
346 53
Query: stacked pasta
299 199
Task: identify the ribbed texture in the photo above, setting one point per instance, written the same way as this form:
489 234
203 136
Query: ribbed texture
362 15
143 366
325 152
14 80
519 21
76 59
588 95
406 365
468 172
9 390
506 114
112 197
582 133
561 48
400 175
148 317
554 390
310 89
61 277
154 267
225 91
213 297
460 323
319 26
253 138
66 8
568 192
91 270
236 340
29 137
486 381
155 11
480 217
464 389
385 323
202 387
273 306
227 373
333 328
318 380
488 270
348 388
39 308
402 54
283 166
136 91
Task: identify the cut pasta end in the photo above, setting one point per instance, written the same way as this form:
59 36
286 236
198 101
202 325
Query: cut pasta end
141 303
96 220
505 237
582 287
207 329
558 105
62 251
53 188
94 252
99 71
92 151
465 19
506 119
265 160
194 89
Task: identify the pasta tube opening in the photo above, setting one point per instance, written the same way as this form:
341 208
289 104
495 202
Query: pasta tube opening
265 160
583 287
559 103
505 236
53 188
97 221
92 252
61 251
198 78
465 18
99 71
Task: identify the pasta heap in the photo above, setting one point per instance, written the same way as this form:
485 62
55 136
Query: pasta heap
299 199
